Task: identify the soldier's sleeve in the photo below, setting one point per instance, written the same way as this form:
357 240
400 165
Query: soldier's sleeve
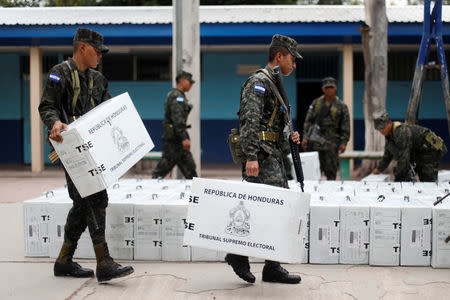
404 143
49 108
345 125
179 117
387 157
251 111
309 119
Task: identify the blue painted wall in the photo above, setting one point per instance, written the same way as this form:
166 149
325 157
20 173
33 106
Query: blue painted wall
11 128
220 100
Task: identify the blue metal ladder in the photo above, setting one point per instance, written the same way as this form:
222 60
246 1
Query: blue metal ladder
432 31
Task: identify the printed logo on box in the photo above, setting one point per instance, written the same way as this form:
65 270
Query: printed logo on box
238 225
120 140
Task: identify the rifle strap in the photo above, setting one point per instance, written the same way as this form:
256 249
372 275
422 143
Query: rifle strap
274 89
76 87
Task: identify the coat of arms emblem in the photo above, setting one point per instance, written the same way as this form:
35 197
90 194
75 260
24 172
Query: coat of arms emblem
120 140
239 225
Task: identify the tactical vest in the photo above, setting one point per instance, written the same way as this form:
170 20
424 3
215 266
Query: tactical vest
333 109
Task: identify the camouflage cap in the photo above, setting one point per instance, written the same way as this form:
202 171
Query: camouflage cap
288 43
380 119
186 75
91 37
329 82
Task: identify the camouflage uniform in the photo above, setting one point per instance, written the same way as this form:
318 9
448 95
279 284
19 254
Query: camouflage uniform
256 108
334 128
408 145
58 94
176 111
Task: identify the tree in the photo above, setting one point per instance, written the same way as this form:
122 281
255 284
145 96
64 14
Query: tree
374 43
19 3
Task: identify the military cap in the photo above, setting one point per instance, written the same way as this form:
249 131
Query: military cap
186 75
329 82
91 37
380 119
288 43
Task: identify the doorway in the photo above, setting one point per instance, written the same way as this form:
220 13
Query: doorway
306 93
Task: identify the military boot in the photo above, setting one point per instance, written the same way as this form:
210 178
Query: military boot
274 272
240 266
107 269
64 266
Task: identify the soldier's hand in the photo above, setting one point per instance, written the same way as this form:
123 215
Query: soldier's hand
55 133
186 144
375 171
304 144
295 137
252 168
342 148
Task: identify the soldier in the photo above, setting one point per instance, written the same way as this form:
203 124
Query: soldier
416 149
73 88
261 136
176 142
327 128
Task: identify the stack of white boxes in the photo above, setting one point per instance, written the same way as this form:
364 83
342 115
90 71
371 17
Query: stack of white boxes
440 257
385 224
36 222
375 222
324 229
354 231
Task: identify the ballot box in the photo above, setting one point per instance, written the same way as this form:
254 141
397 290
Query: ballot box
103 144
247 219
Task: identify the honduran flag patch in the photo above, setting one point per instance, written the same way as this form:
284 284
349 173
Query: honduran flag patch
180 99
260 88
54 77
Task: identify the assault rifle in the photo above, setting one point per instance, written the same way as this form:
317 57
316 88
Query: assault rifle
280 93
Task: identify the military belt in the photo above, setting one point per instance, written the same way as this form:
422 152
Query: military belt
269 136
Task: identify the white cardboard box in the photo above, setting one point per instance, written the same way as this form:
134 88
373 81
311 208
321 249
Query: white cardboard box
173 224
440 257
35 224
310 165
415 234
376 178
103 144
147 230
119 231
324 230
249 219
385 223
354 231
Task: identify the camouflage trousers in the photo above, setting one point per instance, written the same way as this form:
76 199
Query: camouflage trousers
328 158
82 213
174 154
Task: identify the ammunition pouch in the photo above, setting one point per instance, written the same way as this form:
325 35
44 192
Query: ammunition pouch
235 147
313 135
235 144
434 141
169 131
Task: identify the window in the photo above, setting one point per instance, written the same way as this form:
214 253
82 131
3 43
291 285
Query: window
155 67
117 67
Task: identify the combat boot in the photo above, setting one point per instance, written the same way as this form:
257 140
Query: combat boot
107 269
64 266
274 272
240 266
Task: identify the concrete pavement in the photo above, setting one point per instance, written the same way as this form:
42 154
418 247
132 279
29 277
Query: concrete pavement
31 278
